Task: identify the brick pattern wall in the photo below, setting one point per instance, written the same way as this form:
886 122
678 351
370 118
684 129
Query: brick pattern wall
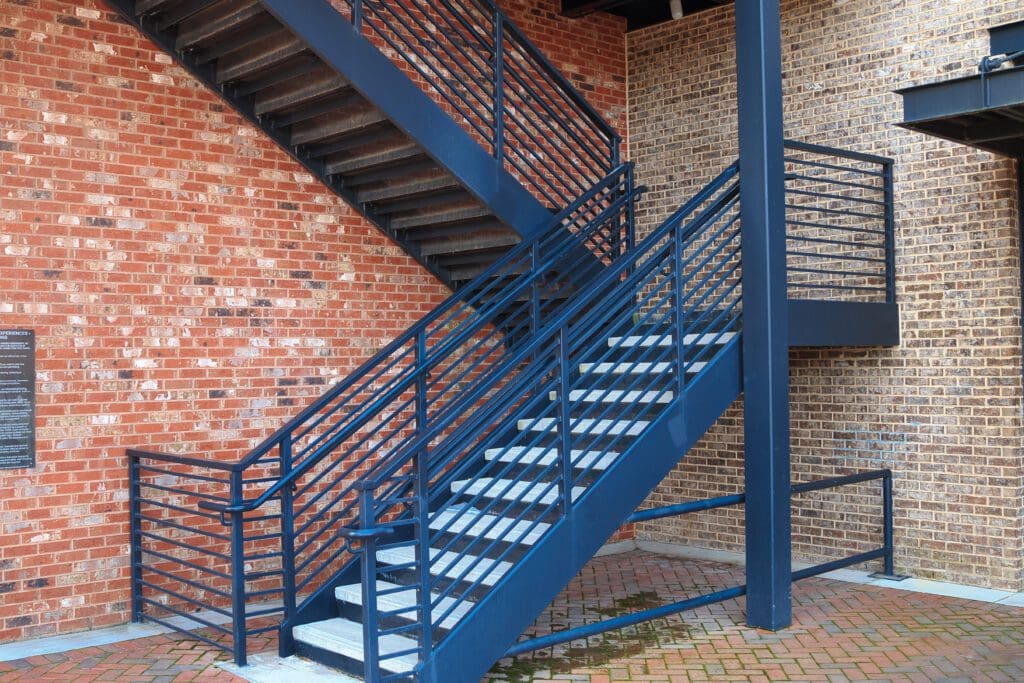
943 409
190 285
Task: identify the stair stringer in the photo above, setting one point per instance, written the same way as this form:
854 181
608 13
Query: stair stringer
486 633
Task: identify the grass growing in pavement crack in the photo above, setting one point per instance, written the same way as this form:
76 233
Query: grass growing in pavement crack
599 649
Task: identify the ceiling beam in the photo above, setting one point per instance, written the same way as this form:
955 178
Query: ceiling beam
581 8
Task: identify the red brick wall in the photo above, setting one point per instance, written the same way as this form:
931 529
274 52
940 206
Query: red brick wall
190 285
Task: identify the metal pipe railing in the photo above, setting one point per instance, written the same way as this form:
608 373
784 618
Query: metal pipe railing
885 552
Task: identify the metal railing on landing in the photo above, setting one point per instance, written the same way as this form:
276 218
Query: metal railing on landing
508 367
840 224
480 66
285 504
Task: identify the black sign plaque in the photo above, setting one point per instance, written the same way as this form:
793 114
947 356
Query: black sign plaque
17 399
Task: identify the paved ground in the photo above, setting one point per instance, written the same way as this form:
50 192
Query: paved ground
841 632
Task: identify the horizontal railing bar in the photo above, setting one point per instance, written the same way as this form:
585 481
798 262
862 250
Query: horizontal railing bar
740 498
836 152
826 567
137 454
185 598
184 546
181 527
838 243
879 189
189 582
210 516
160 471
852 288
185 563
838 228
843 273
176 491
837 197
843 480
833 212
262 612
837 257
185 615
834 167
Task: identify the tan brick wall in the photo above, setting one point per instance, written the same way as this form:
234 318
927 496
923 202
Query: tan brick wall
190 285
943 409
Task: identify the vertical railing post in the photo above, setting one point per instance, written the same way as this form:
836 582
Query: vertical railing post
499 85
238 599
287 548
630 211
678 318
887 524
357 15
534 290
135 530
890 233
422 484
371 643
565 420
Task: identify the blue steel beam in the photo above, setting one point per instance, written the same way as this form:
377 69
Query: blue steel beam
765 342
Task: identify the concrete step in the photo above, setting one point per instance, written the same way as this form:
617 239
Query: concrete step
525 492
616 396
587 426
629 368
646 341
450 565
395 598
542 457
490 527
345 637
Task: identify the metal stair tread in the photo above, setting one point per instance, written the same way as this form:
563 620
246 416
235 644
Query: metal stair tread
632 367
375 159
455 215
544 493
408 188
472 242
345 637
494 528
300 92
216 19
403 601
589 426
616 396
449 564
647 341
543 457
256 59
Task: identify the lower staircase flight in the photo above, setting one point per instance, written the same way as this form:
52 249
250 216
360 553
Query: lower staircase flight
416 518
514 485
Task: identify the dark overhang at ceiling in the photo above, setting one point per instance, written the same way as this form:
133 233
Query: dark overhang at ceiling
984 111
638 13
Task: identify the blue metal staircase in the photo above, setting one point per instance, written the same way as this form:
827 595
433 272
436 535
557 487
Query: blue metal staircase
415 519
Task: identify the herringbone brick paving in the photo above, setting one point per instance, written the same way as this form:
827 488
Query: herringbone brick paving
841 632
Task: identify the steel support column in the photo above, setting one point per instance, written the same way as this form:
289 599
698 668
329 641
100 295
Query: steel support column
765 342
